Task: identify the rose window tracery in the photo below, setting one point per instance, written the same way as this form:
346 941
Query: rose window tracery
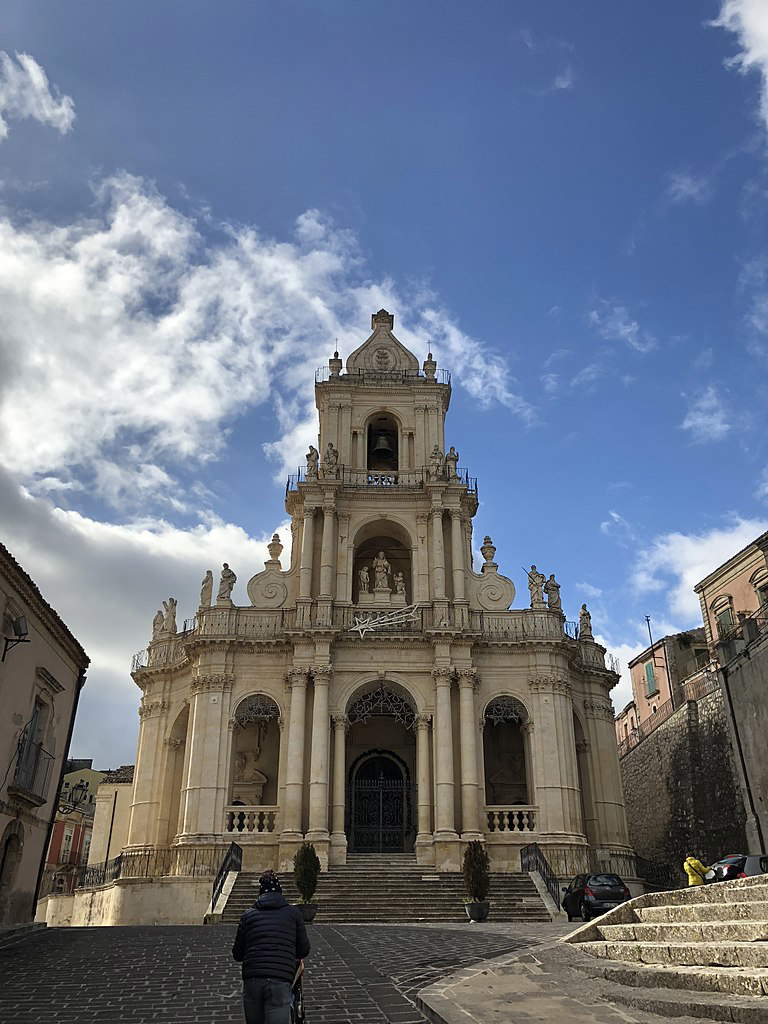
506 709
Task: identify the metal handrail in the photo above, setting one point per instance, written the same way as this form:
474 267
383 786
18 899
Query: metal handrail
533 859
369 376
232 861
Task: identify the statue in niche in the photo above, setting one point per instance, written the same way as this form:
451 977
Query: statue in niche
313 461
436 464
451 462
158 624
330 461
585 624
365 580
381 571
536 581
169 618
227 584
206 590
552 590
399 581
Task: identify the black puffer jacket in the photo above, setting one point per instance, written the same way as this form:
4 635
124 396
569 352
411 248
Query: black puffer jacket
271 939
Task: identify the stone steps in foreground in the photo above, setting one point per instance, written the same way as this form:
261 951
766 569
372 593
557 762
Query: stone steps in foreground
691 932
686 954
756 910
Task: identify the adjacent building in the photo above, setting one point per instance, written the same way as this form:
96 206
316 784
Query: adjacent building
42 670
111 814
69 846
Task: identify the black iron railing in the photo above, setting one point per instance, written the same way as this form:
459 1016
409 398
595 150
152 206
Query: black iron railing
384 377
395 479
186 861
532 859
99 874
233 861
33 770
657 875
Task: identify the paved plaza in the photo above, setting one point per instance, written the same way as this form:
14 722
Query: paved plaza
355 974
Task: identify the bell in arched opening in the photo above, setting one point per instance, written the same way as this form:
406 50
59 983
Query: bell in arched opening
382 444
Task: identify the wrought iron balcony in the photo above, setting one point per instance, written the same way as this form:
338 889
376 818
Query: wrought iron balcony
33 773
405 479
381 377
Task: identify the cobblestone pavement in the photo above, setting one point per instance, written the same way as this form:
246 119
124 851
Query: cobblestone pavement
355 974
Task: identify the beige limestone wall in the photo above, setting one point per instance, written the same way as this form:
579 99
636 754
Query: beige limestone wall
130 901
110 797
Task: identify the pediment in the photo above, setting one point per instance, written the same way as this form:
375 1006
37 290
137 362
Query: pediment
382 351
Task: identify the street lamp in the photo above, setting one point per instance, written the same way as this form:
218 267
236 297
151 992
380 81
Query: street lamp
20 635
74 798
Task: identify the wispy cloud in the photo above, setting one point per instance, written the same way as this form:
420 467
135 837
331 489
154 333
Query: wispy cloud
588 590
614 323
707 418
684 187
761 493
26 93
566 79
748 20
587 377
550 382
618 528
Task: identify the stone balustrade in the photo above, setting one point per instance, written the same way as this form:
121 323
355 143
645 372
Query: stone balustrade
511 819
246 820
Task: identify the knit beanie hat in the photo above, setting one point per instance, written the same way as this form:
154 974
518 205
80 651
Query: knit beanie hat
269 882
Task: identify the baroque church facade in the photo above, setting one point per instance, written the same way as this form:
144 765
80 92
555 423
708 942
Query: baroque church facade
379 694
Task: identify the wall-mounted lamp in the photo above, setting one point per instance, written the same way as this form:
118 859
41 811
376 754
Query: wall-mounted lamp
72 800
20 635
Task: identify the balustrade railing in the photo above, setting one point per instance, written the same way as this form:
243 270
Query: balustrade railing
386 377
251 820
510 819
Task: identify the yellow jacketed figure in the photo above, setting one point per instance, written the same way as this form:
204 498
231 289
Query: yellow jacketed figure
695 870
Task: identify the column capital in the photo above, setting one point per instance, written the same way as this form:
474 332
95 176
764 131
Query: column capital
322 674
423 722
436 510
550 684
217 681
340 721
442 675
296 676
468 677
455 513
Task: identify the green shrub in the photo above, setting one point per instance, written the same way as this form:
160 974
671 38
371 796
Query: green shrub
306 869
477 881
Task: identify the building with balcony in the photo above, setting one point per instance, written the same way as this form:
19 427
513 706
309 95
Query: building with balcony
70 842
41 673
378 694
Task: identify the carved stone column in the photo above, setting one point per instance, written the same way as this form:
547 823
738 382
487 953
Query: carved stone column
343 589
468 681
424 795
338 852
318 766
444 784
457 552
294 769
141 828
607 794
557 782
307 549
438 556
327 550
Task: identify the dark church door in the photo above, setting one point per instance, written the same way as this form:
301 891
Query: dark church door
380 807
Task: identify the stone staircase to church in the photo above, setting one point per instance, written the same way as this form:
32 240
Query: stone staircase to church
697 952
391 888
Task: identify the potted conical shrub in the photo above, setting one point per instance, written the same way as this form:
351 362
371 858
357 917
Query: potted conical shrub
306 869
477 881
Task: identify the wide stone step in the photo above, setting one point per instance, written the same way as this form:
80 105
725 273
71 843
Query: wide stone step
720 892
754 911
697 954
734 981
701 931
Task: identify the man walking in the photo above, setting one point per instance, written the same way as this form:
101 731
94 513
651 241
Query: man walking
271 940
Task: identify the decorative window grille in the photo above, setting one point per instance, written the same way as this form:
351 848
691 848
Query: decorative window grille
382 702
506 709
258 708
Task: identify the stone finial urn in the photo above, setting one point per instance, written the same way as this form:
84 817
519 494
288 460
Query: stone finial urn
488 550
430 367
275 549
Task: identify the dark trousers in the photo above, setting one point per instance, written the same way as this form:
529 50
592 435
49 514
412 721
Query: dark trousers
266 1001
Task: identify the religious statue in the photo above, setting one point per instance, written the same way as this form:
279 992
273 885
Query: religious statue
364 580
169 618
206 590
227 584
399 581
536 581
381 570
158 624
552 590
330 461
451 462
313 460
436 463
585 624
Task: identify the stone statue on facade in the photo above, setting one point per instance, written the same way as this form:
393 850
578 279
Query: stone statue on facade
436 464
206 590
399 581
585 624
381 570
227 584
365 581
169 618
552 590
451 462
330 461
536 581
158 624
313 461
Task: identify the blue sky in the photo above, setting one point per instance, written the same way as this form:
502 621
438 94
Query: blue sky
567 203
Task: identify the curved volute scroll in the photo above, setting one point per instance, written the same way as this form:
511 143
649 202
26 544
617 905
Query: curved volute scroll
488 589
269 589
382 351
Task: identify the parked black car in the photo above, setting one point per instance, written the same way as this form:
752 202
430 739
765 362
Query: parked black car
588 895
737 865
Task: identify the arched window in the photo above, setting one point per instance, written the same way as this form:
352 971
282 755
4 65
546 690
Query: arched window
759 581
722 610
505 754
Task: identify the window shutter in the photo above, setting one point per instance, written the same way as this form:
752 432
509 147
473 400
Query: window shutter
650 680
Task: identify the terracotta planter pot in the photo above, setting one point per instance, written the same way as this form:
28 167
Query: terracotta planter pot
308 911
478 911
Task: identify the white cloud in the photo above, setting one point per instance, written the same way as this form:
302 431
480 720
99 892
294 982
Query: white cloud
762 486
617 527
676 562
689 188
129 343
587 377
564 80
588 590
707 419
748 20
550 382
614 323
26 93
